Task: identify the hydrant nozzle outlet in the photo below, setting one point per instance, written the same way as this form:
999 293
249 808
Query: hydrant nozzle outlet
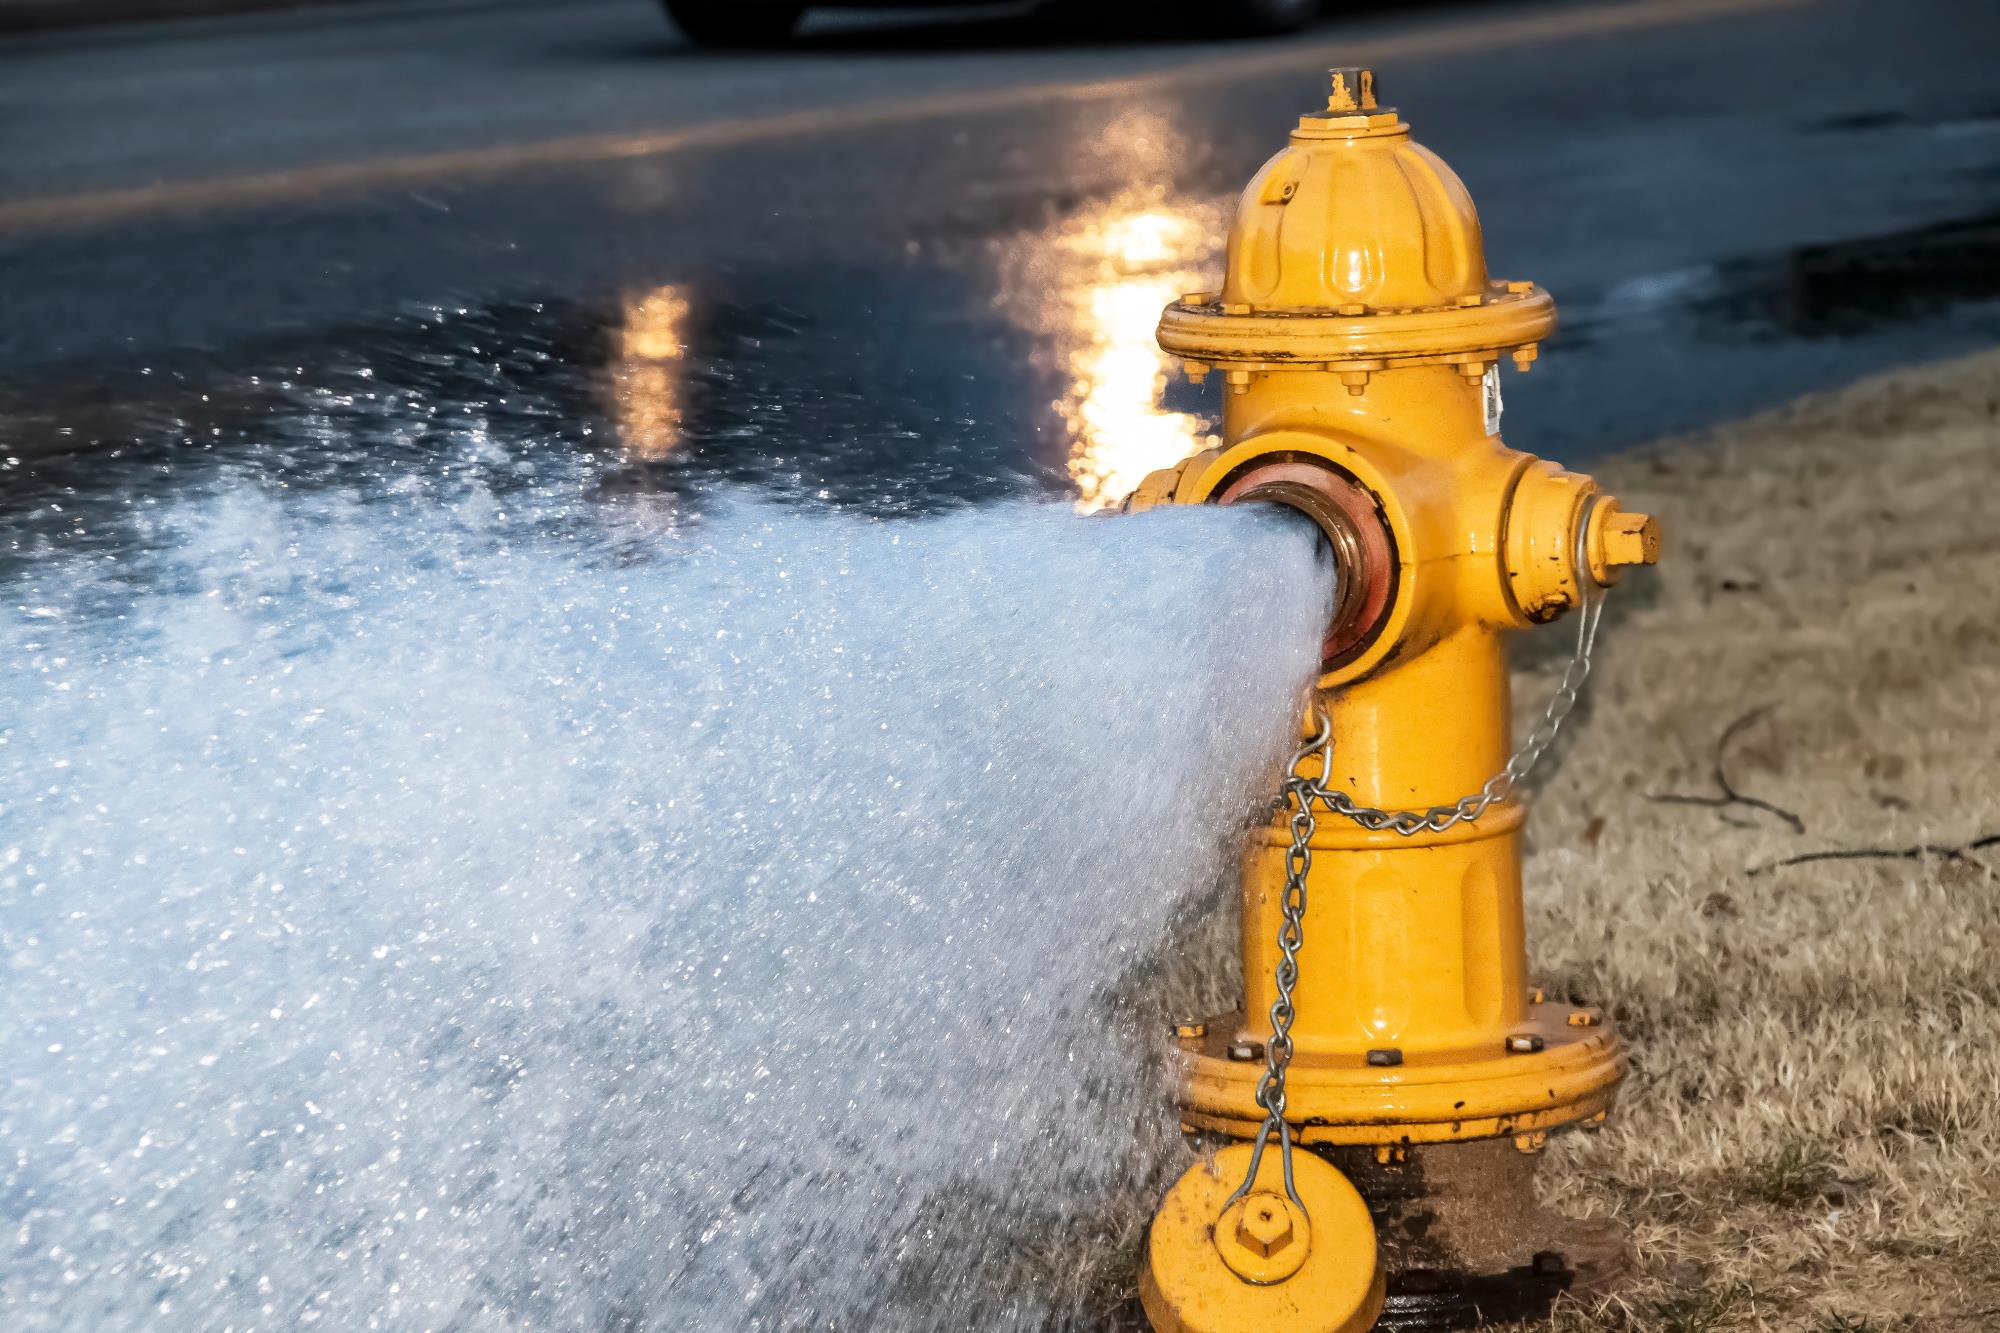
1357 540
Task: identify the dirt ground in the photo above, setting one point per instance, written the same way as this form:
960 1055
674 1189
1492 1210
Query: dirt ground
1808 974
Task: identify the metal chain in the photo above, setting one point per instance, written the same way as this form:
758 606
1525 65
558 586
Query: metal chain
1299 793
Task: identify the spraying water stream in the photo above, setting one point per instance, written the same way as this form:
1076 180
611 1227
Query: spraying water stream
460 912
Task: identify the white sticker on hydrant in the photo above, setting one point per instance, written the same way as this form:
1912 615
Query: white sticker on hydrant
1491 396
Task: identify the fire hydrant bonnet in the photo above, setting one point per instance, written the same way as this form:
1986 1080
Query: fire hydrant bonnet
1355 246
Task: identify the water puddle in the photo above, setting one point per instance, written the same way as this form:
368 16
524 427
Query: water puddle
1846 289
1039 373
1971 122
1852 287
668 392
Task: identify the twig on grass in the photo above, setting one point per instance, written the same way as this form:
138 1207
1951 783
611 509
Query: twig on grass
1730 795
1962 854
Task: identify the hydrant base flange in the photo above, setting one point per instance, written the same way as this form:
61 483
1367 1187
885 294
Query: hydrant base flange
1562 1074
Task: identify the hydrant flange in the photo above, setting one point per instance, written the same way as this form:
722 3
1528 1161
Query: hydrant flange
1205 328
1553 1074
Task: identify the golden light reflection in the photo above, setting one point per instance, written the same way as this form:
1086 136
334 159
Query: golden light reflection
1152 237
646 378
1134 260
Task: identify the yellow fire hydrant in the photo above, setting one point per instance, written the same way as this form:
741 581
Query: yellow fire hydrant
1382 1095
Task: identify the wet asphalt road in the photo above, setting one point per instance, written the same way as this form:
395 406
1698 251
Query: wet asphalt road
919 260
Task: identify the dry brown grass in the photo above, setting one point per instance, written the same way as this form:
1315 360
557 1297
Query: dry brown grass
1811 1136
1810 1139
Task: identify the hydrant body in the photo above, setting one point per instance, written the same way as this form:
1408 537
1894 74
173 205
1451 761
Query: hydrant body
1359 337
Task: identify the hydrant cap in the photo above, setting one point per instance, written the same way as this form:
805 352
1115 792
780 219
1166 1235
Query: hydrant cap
1219 1264
1354 212
1355 243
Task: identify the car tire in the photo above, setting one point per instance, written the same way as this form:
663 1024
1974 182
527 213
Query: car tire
735 22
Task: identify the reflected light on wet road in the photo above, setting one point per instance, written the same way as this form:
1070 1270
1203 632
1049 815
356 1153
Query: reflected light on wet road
646 377
1091 285
1113 407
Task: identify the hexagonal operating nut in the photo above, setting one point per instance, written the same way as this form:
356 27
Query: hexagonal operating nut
1619 539
1631 539
1265 1227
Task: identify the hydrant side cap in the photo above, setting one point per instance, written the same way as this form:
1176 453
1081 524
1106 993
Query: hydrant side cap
1326 1277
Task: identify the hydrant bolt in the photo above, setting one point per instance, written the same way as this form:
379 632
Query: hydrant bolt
1266 1226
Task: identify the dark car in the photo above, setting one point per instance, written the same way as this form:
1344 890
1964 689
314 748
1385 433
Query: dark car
762 22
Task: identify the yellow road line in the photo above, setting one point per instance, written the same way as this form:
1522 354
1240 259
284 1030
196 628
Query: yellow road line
273 187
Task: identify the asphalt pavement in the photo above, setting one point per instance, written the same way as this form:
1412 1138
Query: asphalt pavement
918 257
